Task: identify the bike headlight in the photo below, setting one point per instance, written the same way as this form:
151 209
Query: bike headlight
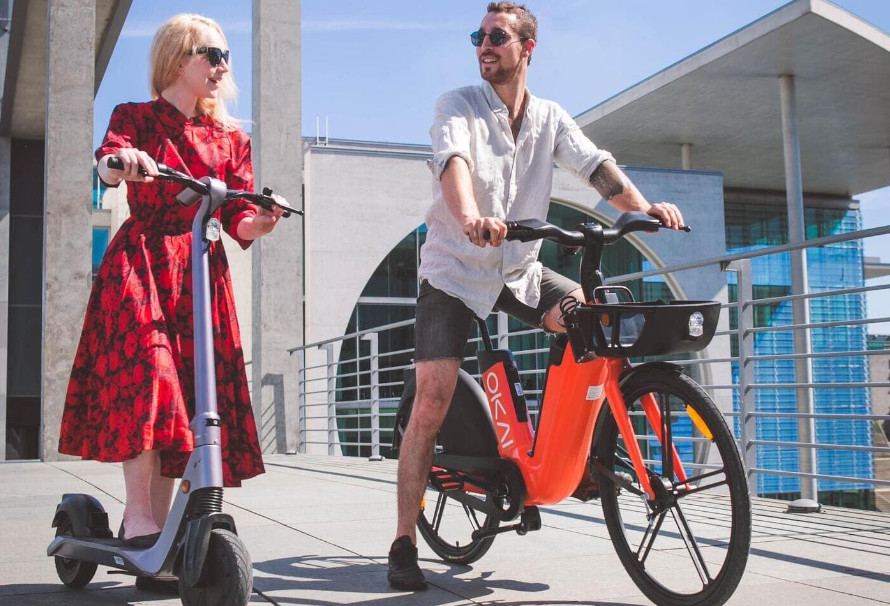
696 324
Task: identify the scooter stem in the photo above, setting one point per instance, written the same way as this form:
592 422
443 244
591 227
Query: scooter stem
205 424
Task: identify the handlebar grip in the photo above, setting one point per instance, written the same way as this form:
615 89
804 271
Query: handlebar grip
115 163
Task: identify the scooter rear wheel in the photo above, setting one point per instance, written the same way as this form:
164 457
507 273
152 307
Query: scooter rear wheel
228 574
73 573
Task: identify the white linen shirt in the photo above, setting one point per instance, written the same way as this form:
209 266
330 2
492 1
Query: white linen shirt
511 181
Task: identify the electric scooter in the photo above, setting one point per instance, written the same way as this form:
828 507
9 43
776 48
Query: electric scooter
198 544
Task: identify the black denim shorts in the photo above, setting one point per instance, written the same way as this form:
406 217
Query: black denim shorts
444 323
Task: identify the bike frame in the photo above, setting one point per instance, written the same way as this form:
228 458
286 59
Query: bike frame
552 460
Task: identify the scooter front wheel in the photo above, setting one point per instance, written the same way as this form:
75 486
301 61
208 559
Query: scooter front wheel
227 579
73 573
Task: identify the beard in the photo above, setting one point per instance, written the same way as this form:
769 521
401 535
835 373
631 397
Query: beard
499 73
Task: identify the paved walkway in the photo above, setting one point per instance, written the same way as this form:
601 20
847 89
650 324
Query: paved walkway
318 529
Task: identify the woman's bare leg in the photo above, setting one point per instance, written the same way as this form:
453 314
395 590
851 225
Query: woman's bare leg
138 471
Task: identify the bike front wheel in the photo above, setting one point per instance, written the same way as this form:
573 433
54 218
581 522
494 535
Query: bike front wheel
689 545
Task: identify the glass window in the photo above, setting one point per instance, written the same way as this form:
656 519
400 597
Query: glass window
100 244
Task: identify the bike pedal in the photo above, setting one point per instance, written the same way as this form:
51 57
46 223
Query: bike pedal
445 481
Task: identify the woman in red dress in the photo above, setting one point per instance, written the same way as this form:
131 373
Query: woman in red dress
131 392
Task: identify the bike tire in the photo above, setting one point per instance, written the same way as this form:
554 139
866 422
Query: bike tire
719 511
448 527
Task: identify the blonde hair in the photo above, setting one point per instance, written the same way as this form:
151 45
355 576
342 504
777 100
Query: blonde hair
172 43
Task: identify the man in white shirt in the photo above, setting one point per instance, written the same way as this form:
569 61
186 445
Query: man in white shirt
494 146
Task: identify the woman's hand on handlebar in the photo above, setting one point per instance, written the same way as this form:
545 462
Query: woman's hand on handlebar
251 228
669 214
132 159
483 231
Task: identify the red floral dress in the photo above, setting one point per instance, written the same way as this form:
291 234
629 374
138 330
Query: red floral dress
132 384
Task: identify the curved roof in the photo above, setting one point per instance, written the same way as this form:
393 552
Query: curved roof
725 101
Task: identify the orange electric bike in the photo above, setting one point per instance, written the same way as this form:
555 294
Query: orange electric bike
645 439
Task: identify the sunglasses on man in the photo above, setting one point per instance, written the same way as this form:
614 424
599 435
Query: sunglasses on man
214 55
497 37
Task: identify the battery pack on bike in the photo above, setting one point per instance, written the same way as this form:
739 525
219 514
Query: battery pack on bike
509 411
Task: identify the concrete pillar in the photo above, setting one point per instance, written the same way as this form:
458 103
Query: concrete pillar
278 258
67 200
5 159
799 284
686 156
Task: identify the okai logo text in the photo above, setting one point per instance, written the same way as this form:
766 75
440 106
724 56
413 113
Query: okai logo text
492 386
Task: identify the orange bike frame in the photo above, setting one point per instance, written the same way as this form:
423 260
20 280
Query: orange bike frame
553 461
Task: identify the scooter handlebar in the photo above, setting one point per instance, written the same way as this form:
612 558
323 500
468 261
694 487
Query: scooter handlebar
264 199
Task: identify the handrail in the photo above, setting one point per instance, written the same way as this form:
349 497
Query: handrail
724 260
363 398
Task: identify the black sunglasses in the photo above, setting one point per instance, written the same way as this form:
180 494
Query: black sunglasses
497 37
214 55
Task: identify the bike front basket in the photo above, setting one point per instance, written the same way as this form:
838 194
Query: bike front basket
628 330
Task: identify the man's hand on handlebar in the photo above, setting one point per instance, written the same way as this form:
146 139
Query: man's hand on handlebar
133 160
483 231
669 214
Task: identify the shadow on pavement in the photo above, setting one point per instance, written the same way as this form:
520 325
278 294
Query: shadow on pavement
297 576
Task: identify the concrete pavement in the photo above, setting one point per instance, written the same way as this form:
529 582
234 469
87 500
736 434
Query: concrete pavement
318 529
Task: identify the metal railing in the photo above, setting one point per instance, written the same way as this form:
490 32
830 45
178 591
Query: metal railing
349 388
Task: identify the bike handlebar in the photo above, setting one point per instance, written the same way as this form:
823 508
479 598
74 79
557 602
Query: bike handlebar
527 230
264 199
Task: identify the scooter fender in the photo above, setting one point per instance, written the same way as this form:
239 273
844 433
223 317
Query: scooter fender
88 517
468 428
196 543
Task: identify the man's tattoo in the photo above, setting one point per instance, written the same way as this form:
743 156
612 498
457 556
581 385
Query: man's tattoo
608 180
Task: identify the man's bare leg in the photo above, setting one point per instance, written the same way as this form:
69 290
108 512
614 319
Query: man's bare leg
435 386
436 380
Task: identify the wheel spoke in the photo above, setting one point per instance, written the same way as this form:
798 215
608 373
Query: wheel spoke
703 476
682 492
439 511
471 516
701 567
651 534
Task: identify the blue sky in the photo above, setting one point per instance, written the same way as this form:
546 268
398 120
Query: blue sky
373 70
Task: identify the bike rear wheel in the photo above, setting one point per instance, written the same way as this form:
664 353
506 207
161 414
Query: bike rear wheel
689 546
446 524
